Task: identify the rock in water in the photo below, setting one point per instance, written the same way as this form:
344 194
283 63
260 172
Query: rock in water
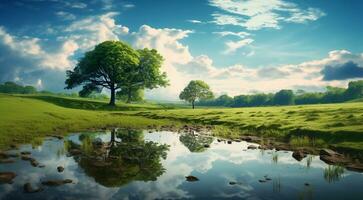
60 169
56 182
29 189
328 152
25 153
191 178
34 162
7 177
298 155
5 161
252 147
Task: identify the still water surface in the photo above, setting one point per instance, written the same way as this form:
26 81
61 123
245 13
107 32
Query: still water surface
128 164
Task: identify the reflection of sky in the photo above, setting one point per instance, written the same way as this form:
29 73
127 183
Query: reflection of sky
215 168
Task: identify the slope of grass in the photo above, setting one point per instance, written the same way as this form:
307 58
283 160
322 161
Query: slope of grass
91 104
336 124
23 119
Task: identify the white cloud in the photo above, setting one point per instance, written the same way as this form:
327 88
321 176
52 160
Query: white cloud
181 66
93 30
258 14
194 21
65 15
241 34
129 6
79 5
233 46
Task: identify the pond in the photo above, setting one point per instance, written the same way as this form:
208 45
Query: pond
132 164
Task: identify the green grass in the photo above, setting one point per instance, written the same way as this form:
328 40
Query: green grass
26 116
338 125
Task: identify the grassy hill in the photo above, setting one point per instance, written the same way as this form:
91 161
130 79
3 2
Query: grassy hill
25 116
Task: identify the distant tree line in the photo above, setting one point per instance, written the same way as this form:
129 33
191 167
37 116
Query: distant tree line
288 97
13 88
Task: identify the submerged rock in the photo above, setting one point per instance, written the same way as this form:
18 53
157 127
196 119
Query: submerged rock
25 153
328 152
97 142
7 177
191 178
6 161
358 167
56 182
332 157
29 189
3 155
57 136
34 162
232 183
26 157
252 147
251 138
75 152
298 155
60 169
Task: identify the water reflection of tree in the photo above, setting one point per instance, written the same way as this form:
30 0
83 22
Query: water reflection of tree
195 143
333 173
275 157
116 163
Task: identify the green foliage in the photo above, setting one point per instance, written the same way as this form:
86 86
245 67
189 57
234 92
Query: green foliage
104 67
284 97
13 88
287 97
114 65
196 90
147 75
134 159
355 90
135 95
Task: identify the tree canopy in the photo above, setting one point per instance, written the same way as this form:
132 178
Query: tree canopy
115 65
196 90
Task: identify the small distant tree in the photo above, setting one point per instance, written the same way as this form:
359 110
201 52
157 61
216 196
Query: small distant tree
196 90
284 97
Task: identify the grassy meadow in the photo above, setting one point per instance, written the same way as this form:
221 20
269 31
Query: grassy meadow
26 118
23 117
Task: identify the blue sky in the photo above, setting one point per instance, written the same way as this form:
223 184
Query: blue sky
237 46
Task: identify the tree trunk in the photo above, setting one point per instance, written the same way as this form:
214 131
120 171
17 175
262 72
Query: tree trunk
113 138
129 96
112 100
193 104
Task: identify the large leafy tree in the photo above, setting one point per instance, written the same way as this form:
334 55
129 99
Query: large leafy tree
115 65
196 90
146 75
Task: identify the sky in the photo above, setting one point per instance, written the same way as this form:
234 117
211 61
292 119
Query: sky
236 46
